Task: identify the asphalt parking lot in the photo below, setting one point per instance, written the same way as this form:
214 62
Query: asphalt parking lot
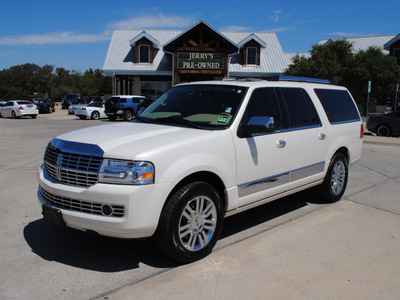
292 248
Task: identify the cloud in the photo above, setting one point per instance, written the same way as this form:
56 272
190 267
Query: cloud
345 34
66 37
276 15
235 28
279 29
156 21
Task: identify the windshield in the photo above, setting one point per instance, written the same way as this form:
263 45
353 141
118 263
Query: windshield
202 106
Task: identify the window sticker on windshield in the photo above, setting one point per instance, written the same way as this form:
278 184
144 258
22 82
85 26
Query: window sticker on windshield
228 110
223 120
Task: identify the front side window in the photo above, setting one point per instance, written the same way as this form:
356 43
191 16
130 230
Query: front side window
264 103
144 54
203 106
251 55
302 113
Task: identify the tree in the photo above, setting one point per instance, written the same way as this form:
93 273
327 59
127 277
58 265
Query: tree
337 62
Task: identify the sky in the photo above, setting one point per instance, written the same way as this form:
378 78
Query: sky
75 34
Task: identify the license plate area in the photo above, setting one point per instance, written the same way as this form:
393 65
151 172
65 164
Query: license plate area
53 216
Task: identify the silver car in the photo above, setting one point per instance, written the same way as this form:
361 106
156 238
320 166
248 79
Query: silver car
19 108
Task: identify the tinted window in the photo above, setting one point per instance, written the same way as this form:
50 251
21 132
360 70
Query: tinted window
264 103
122 100
24 102
301 110
338 105
251 56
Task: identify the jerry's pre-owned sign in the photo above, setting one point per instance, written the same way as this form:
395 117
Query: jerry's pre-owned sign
200 61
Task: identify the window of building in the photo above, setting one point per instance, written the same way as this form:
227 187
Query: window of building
251 55
154 89
144 54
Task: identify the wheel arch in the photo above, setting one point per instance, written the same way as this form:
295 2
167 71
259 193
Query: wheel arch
207 177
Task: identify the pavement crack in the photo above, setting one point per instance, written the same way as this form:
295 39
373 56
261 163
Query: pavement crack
372 170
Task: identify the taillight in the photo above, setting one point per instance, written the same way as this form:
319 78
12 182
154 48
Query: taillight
362 131
21 108
84 108
121 105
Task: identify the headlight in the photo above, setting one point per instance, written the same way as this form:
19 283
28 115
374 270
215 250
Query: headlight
126 172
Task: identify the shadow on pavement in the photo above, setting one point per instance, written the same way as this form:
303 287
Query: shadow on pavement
102 254
97 253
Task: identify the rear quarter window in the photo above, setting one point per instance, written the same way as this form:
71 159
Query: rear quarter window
338 105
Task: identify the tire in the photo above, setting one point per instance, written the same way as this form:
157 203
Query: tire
128 115
13 115
95 115
112 118
335 182
82 117
190 223
383 130
33 116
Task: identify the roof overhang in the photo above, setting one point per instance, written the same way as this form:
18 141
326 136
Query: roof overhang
392 41
141 35
252 37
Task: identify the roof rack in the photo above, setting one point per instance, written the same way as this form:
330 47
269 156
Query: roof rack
301 79
241 79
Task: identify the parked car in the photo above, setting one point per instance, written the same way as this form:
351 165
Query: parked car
385 124
94 111
19 108
121 106
44 105
70 99
77 103
203 151
2 103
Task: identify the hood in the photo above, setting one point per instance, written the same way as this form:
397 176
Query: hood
127 140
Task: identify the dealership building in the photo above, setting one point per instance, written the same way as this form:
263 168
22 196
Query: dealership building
149 62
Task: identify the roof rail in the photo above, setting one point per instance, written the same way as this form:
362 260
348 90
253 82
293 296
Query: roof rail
301 79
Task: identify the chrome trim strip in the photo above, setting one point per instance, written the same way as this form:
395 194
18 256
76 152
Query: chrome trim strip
263 184
276 180
307 171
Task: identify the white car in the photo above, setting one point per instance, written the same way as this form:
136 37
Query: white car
93 111
19 108
201 152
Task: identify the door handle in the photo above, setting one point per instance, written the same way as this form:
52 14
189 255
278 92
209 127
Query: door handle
281 144
322 136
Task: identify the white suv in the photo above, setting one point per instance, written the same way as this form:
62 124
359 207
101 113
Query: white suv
201 152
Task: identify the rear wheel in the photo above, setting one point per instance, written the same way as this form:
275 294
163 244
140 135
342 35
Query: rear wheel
112 118
190 223
335 182
383 130
95 115
82 117
33 116
13 115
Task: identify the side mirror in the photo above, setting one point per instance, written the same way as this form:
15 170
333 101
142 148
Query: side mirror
258 125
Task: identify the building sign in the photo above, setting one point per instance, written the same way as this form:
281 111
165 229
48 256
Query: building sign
200 61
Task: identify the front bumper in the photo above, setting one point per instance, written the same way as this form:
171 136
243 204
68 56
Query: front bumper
142 206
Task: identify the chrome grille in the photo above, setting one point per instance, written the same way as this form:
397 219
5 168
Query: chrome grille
70 168
83 206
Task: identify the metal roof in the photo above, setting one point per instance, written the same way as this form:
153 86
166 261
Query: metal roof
119 59
363 43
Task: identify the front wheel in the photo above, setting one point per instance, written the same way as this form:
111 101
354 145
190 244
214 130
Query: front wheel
128 115
335 182
190 223
383 130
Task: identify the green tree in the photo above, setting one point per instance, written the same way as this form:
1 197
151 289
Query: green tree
337 62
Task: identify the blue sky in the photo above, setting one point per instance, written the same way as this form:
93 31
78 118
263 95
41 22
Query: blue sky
75 34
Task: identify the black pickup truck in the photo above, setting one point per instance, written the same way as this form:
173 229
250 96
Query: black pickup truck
44 105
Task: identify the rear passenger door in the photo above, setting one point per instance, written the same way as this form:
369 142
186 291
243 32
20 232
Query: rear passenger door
263 160
309 143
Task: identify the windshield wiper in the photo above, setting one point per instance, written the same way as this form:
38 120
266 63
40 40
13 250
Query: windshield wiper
179 121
